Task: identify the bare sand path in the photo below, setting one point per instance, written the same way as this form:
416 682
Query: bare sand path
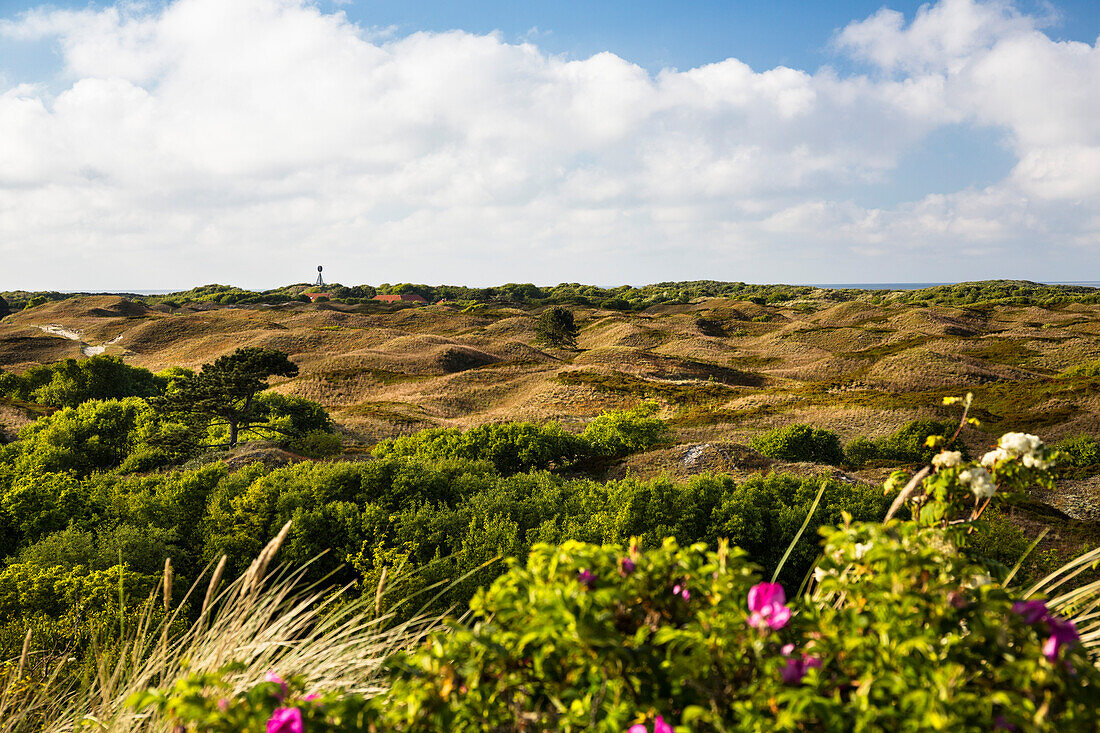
58 330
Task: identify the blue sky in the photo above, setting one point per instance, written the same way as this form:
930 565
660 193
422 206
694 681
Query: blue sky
651 33
485 142
655 34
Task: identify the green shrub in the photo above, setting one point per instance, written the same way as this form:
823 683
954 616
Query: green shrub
292 415
860 450
1087 369
763 514
908 444
94 436
1079 450
101 435
588 637
800 442
999 544
84 602
316 444
616 304
515 447
71 382
511 447
615 434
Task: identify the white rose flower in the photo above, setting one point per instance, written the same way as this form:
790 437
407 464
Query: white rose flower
1034 460
1019 444
979 481
993 457
861 549
947 459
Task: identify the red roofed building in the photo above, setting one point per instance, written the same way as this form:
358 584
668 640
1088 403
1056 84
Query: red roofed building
314 296
403 298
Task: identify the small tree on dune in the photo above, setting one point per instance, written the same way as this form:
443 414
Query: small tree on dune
557 327
224 392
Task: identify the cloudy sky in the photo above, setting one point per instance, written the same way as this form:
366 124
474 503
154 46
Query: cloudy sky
170 144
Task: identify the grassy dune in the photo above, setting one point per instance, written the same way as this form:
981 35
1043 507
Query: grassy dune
721 369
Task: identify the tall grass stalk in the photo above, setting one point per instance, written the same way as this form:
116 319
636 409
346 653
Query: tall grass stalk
1020 563
324 634
798 535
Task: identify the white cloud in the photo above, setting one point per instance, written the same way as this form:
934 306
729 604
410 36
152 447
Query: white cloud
244 140
942 36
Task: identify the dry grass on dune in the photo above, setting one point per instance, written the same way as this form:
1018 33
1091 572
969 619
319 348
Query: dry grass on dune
21 348
927 368
268 622
395 371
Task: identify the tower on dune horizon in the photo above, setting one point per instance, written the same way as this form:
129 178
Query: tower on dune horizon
320 281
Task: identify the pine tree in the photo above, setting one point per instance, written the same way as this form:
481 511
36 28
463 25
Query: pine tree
224 392
557 327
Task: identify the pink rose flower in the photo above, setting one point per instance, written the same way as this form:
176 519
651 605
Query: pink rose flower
767 606
1062 633
796 669
285 720
272 677
1032 611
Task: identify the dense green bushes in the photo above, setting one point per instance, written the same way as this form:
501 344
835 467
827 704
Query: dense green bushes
446 519
601 638
898 630
514 447
434 511
74 522
909 444
999 292
511 447
620 433
1080 451
800 443
99 435
71 382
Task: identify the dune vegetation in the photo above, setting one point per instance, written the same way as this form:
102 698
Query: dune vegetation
706 506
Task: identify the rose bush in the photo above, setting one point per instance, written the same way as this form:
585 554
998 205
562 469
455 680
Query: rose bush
897 627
